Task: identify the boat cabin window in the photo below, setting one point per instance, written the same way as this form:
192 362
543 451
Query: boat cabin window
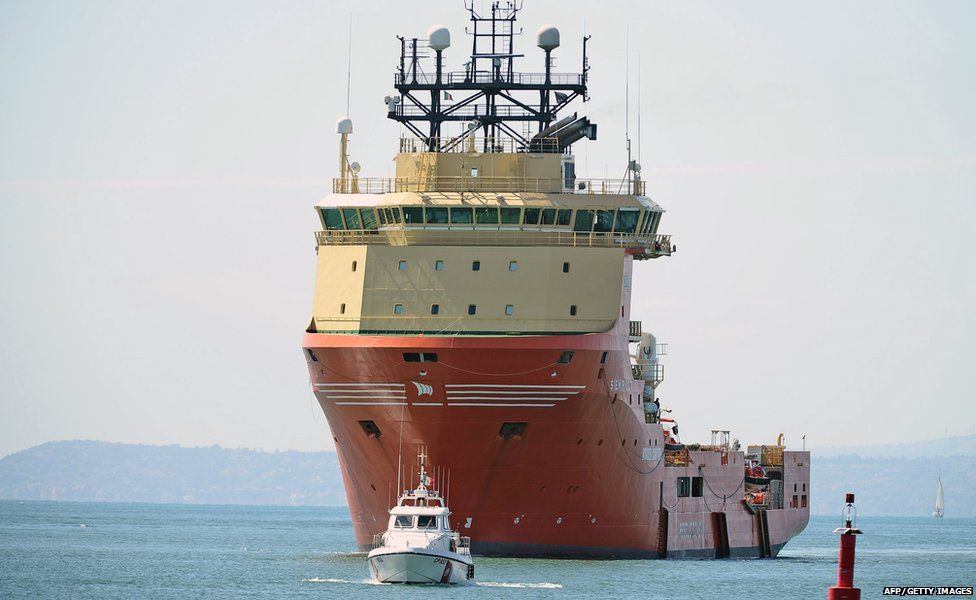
584 220
563 216
511 216
331 218
403 522
351 215
369 218
427 522
626 221
437 216
413 215
532 216
604 221
461 215
487 215
395 214
548 216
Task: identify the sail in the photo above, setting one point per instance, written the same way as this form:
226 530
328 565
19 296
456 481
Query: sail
939 504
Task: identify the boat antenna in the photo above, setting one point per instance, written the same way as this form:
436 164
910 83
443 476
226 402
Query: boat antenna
400 449
349 67
638 108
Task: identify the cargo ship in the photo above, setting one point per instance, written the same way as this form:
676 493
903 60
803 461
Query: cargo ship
478 304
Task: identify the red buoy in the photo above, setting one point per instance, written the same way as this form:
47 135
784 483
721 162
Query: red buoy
845 590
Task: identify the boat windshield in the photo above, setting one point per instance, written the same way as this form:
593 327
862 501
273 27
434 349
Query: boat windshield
403 522
427 522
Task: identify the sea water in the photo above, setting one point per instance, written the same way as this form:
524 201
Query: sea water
94 550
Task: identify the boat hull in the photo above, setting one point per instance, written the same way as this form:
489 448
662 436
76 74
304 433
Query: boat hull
539 458
417 566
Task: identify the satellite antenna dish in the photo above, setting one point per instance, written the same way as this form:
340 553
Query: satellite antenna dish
355 167
439 38
547 38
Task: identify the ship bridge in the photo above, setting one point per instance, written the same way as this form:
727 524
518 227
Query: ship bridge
485 228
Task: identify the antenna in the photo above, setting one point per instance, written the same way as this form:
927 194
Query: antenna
349 67
638 109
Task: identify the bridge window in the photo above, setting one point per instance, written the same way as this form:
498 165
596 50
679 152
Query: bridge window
381 213
435 309
461 215
684 487
472 309
413 215
402 265
436 216
476 265
697 487
395 213
584 220
604 221
509 310
398 309
427 522
403 522
351 215
513 265
565 267
532 216
331 218
563 216
486 215
626 221
369 218
548 216
572 310
511 216
438 265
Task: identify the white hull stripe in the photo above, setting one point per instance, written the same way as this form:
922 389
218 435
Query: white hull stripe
541 399
502 393
505 385
366 397
371 403
343 385
427 404
500 405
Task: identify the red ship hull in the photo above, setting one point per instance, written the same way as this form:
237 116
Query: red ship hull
544 458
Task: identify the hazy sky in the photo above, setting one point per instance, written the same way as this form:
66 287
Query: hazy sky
159 162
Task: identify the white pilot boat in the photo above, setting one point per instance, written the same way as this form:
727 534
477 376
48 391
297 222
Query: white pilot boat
419 545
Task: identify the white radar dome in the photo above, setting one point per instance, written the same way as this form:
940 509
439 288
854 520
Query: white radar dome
439 37
548 37
344 125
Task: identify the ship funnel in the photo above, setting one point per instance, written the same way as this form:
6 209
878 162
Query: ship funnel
439 38
547 38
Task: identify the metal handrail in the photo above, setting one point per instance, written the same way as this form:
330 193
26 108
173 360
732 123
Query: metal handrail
488 183
463 77
648 244
458 144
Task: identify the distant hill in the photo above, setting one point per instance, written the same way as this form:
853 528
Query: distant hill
888 480
107 472
959 445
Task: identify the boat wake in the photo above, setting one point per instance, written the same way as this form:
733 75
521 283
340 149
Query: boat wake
336 580
545 585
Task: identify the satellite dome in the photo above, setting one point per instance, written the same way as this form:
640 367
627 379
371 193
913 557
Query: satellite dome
548 37
439 38
344 125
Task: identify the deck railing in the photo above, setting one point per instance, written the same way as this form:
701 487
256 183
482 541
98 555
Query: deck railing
463 543
488 183
456 78
649 245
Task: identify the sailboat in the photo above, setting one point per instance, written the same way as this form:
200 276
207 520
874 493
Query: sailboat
939 511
